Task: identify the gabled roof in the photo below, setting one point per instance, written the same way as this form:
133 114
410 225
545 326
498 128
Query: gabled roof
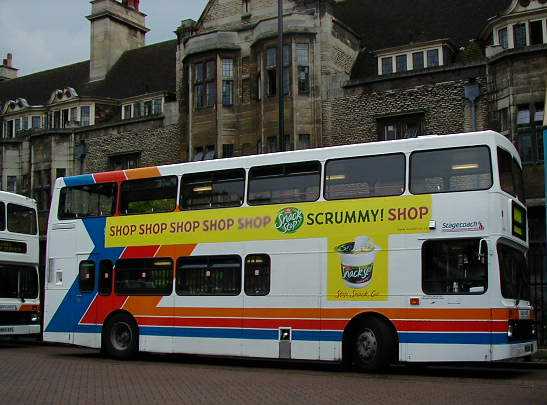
144 70
391 23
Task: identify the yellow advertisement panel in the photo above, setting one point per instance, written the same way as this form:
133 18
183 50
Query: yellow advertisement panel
357 232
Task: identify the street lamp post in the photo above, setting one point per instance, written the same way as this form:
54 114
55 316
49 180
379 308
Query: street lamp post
280 78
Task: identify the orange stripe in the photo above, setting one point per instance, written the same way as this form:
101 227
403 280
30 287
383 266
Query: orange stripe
147 306
143 173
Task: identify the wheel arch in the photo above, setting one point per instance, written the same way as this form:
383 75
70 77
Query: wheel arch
353 326
110 316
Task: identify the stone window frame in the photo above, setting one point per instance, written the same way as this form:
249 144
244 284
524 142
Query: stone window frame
303 68
531 130
228 81
205 82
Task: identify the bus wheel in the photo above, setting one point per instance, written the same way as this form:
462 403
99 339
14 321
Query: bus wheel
121 337
373 346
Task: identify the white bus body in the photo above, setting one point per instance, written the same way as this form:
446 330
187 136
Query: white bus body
19 281
415 274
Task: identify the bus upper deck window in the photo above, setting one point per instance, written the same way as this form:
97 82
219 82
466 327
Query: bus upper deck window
2 216
450 170
212 190
149 196
282 184
365 176
94 200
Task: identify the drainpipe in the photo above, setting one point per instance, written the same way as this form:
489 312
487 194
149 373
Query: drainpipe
545 199
472 92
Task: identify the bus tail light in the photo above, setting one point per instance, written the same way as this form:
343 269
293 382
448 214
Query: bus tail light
414 301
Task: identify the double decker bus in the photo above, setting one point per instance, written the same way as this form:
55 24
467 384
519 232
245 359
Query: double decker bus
410 250
19 281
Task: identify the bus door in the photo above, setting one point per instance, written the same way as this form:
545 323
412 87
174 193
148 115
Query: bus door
84 314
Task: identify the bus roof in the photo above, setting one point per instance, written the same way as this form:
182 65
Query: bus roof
333 152
8 197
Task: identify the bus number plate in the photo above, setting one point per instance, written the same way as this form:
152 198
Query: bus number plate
524 314
6 330
528 348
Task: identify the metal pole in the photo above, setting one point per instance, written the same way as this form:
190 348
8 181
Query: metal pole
280 87
545 203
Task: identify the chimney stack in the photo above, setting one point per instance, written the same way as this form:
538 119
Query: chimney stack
7 71
116 27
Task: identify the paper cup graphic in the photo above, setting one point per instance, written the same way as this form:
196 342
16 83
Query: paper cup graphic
357 261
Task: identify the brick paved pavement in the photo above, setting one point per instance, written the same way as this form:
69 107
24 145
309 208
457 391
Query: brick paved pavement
34 374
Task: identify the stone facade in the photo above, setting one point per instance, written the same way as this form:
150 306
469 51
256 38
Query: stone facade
317 47
438 97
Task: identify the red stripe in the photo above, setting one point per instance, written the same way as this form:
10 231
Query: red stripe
451 326
139 252
109 177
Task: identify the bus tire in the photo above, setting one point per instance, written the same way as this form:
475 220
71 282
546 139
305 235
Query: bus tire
121 337
373 346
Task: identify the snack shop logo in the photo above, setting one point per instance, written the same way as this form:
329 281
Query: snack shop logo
289 220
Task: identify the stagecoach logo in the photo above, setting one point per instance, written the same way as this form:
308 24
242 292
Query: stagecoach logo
463 226
289 220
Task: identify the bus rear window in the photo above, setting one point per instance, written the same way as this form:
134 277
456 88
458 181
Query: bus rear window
367 176
450 170
510 174
22 219
282 184
213 190
149 196
94 200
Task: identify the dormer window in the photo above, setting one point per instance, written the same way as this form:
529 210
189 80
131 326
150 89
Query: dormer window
412 59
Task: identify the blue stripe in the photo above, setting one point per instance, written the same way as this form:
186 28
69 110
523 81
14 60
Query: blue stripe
265 334
82 180
316 335
454 338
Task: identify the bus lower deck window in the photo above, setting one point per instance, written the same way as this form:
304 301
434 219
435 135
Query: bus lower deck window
153 277
209 275
257 275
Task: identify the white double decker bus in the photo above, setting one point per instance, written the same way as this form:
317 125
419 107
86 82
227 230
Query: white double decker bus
19 281
411 251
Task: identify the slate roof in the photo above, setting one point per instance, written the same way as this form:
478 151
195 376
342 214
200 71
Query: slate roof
144 70
390 23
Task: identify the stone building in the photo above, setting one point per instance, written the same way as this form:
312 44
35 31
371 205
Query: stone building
116 110
227 66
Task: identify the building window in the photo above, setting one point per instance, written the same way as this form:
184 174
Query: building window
24 123
387 65
11 185
9 126
147 108
227 82
228 150
287 61
85 115
303 60
211 84
432 57
137 110
36 122
199 86
304 141
17 126
246 6
536 32
259 89
530 133
157 104
57 119
74 114
271 71
404 127
60 173
65 114
504 123
519 35
401 63
124 162
127 111
503 38
271 144
417 60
